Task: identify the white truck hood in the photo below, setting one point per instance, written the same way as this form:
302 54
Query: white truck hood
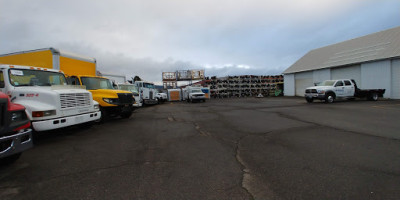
42 98
37 91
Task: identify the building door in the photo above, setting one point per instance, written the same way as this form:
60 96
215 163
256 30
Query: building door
395 79
303 80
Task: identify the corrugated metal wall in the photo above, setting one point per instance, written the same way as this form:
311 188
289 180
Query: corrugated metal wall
350 72
321 75
376 75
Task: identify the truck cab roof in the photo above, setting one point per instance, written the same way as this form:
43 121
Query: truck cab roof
2 66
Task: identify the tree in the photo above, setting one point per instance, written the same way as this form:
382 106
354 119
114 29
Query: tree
137 78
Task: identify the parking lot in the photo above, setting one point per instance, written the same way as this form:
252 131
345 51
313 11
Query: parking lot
268 148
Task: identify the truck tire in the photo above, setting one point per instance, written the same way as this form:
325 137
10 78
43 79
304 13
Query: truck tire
309 100
126 115
330 98
373 96
104 116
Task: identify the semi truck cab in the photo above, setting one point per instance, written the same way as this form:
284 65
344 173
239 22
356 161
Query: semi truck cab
147 91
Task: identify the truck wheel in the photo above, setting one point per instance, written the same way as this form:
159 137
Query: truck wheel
126 114
104 116
373 96
309 100
10 159
330 98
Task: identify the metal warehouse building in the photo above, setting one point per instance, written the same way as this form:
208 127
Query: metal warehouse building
373 61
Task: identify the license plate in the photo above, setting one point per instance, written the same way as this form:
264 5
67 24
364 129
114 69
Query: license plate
79 119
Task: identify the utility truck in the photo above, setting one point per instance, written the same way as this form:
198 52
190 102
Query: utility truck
330 90
81 71
147 91
15 131
50 103
194 94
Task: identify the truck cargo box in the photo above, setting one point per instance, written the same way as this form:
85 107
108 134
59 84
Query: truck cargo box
51 58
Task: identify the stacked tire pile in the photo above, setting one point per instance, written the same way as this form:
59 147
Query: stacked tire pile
245 86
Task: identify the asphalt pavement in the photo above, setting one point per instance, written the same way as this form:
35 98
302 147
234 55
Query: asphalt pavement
247 148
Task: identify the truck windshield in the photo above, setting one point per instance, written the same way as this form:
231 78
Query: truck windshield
130 88
193 91
30 77
94 83
327 83
148 85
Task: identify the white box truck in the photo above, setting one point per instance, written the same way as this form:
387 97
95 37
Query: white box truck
50 103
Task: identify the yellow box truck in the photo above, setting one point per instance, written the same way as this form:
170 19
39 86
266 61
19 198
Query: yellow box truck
81 70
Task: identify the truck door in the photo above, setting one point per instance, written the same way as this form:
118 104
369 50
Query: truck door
339 89
2 83
348 88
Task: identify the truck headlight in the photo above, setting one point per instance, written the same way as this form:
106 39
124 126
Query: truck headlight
110 101
96 107
17 116
43 113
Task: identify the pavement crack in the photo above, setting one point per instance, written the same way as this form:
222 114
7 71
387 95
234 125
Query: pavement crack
243 168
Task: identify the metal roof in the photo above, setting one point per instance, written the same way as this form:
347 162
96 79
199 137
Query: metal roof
376 46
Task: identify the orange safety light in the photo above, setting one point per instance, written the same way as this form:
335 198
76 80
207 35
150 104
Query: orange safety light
11 66
37 114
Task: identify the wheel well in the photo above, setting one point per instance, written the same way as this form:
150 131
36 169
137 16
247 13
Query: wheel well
331 93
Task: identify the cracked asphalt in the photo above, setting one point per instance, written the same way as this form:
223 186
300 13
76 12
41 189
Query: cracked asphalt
269 148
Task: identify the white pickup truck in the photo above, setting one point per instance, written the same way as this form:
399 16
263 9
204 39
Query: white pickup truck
330 90
50 103
195 94
161 97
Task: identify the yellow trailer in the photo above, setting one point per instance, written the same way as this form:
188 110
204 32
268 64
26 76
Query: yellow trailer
52 58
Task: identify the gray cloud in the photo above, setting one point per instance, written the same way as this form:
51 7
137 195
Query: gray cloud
145 38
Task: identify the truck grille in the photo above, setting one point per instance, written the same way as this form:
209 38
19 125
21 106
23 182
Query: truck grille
75 100
125 98
311 91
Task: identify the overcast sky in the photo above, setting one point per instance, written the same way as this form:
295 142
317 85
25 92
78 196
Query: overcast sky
229 37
